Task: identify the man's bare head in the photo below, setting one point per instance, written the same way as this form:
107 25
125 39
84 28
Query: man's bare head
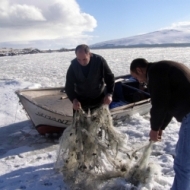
83 54
138 69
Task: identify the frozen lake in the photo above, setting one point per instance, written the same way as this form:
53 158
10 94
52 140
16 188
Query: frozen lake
50 69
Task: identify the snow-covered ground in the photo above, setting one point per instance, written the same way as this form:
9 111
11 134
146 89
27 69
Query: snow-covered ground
26 158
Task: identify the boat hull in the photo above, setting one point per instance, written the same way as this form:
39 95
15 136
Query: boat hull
47 121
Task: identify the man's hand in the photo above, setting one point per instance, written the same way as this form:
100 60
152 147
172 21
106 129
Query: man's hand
108 99
155 135
76 104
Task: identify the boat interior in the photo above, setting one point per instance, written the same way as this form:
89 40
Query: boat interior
128 90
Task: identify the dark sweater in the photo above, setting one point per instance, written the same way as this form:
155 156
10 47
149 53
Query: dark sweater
169 86
87 82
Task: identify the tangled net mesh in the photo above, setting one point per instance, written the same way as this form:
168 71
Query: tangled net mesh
92 153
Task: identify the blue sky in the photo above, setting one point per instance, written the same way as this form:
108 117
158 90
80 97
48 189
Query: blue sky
124 18
52 24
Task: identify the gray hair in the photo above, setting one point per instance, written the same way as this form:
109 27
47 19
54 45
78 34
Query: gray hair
83 47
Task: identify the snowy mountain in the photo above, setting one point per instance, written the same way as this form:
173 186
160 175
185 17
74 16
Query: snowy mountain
172 37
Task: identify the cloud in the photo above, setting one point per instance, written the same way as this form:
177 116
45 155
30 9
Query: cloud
34 20
185 26
11 15
48 44
182 25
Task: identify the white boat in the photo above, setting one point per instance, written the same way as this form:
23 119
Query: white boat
51 111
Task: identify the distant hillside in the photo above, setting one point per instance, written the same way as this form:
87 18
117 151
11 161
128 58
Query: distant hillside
162 38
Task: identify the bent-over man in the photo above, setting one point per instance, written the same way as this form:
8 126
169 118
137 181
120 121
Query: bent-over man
169 86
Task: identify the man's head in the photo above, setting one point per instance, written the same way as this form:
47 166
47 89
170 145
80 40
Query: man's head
138 69
83 54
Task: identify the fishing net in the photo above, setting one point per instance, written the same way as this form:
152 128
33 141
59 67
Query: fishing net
92 153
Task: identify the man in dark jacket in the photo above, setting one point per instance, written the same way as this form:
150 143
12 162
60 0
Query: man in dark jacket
169 86
86 79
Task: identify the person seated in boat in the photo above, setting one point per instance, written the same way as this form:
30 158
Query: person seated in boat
89 80
169 86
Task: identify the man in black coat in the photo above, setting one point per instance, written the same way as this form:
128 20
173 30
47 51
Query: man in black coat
169 86
86 79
